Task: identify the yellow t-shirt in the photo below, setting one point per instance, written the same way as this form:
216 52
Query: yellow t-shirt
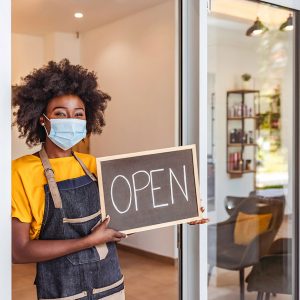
28 180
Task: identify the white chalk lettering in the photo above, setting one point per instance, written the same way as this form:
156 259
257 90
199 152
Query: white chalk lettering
135 189
184 192
156 188
112 197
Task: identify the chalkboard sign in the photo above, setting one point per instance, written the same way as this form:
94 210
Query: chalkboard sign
150 189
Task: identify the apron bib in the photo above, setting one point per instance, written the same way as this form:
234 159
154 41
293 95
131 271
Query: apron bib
72 210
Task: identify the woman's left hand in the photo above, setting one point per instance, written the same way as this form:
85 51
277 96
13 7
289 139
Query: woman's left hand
201 221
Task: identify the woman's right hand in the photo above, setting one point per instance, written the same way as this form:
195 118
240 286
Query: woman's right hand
25 250
101 234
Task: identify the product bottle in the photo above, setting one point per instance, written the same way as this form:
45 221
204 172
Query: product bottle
251 138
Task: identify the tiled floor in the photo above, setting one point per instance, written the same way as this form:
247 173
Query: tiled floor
145 279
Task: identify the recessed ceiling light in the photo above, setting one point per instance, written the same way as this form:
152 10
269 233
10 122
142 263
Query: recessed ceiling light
78 15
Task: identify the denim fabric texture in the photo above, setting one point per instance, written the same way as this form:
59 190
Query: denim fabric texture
81 271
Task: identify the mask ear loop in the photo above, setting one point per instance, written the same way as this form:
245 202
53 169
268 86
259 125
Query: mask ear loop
43 124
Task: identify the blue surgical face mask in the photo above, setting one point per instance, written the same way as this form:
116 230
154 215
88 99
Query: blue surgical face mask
65 133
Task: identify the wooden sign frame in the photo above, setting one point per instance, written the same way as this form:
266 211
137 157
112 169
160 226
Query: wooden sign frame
142 153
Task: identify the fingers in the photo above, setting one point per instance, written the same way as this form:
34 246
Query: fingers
119 234
202 221
105 223
107 220
98 224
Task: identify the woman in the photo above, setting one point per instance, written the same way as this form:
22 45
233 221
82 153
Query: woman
55 200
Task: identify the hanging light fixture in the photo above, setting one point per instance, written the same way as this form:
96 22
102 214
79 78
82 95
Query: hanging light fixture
257 28
287 25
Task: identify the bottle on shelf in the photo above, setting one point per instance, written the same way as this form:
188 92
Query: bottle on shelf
251 137
239 110
241 131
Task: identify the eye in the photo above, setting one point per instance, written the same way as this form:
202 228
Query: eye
60 114
79 115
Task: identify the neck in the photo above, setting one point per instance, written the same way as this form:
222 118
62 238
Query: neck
54 151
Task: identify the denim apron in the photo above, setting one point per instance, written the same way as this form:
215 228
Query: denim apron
72 210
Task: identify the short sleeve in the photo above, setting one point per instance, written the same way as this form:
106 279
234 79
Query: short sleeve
20 204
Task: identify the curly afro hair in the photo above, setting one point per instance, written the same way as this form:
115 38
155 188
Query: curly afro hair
54 80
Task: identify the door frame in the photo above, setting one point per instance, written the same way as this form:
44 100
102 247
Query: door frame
5 157
193 280
296 171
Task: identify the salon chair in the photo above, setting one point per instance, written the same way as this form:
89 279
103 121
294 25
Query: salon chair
224 252
273 273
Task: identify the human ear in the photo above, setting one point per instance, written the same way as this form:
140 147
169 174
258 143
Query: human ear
42 121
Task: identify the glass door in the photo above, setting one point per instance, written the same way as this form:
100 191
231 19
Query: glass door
250 237
248 115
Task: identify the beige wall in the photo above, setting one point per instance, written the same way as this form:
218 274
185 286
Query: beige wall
59 45
134 58
27 54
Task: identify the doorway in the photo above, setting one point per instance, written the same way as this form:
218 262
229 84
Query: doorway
131 47
248 106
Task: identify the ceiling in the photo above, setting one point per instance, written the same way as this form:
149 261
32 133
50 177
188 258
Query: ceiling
248 11
39 17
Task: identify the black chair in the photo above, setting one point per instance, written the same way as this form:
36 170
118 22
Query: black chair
231 202
272 274
224 253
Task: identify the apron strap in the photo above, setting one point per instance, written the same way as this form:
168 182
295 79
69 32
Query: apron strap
50 178
85 169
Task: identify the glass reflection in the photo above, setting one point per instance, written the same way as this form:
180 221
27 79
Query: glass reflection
250 121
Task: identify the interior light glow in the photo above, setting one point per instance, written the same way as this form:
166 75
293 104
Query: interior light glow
257 32
78 15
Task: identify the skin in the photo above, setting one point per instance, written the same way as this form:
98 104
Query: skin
25 250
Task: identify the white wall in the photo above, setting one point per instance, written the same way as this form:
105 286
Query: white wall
134 58
231 54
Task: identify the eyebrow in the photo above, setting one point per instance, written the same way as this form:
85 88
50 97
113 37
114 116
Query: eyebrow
67 107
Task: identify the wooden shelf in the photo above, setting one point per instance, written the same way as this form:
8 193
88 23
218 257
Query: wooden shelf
240 172
240 145
240 118
242 91
239 153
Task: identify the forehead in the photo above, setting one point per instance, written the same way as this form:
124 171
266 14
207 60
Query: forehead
66 101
